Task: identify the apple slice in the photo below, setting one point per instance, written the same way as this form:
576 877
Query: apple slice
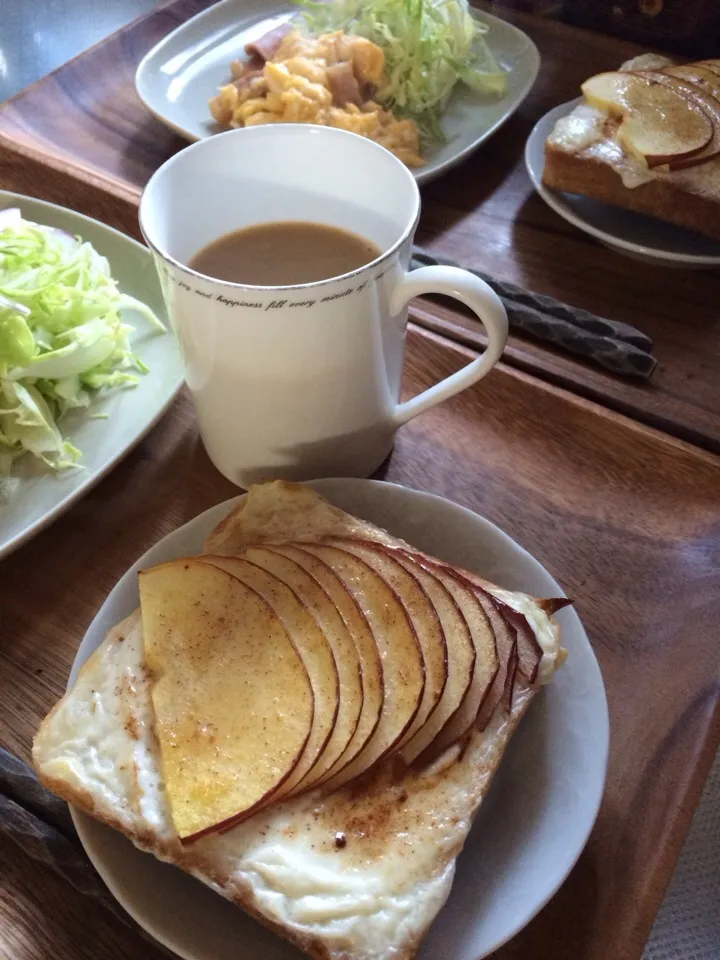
359 628
486 657
517 645
460 656
528 649
400 654
660 123
314 649
501 691
422 615
713 65
320 605
507 698
232 698
703 77
703 99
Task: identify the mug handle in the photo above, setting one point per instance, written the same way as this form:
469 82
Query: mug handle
482 300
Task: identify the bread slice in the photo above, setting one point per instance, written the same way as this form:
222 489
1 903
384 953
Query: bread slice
356 874
584 156
677 201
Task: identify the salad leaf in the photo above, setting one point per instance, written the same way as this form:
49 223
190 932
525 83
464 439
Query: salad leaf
429 46
73 343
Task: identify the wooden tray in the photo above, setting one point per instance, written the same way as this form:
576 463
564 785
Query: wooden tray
81 135
624 517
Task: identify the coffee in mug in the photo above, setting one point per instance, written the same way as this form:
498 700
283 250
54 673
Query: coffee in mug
282 253
297 374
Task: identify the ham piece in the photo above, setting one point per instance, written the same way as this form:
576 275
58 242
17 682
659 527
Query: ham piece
245 79
267 46
343 85
240 68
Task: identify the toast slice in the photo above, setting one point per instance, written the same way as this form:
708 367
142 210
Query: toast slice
584 155
358 873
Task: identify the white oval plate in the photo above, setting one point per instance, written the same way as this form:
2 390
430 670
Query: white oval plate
42 495
178 76
529 832
636 236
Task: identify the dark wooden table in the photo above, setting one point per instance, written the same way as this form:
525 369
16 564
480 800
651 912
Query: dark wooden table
82 132
626 517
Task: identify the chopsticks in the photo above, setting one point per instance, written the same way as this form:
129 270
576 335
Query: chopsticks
39 824
618 347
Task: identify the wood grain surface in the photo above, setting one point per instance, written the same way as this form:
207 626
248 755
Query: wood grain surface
625 518
82 133
43 917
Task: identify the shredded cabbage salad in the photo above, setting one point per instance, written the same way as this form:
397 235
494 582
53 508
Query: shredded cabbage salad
429 46
72 345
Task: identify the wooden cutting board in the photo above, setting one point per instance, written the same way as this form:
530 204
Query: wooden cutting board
625 518
81 135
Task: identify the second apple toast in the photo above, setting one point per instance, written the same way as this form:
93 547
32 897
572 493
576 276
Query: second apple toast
646 138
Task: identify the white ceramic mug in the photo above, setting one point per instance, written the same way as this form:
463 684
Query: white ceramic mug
300 381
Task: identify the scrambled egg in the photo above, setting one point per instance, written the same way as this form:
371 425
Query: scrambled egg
328 80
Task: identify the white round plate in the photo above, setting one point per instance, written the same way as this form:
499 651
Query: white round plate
636 236
528 833
178 76
42 495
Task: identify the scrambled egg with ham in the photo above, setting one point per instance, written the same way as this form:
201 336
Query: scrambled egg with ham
329 80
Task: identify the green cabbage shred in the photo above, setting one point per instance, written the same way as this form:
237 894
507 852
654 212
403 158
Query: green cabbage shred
429 46
72 345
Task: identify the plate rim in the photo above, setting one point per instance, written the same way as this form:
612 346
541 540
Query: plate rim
55 512
422 175
553 198
82 821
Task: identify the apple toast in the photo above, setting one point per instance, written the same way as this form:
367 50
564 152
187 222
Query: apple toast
646 138
328 796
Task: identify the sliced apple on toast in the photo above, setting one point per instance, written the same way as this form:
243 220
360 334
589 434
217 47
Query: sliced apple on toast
517 647
232 698
401 658
429 653
404 655
485 665
506 625
500 695
713 65
421 613
506 642
321 749
374 692
352 703
661 122
701 97
528 649
697 74
460 657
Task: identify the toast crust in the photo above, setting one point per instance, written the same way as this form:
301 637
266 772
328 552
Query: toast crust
661 198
